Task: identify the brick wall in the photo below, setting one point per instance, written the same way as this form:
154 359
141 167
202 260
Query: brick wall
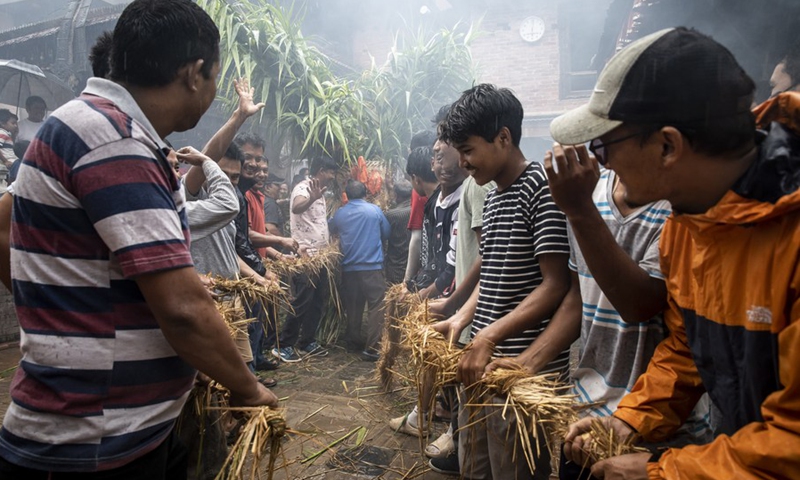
531 70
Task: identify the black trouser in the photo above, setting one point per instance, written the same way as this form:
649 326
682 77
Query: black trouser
310 296
165 462
360 289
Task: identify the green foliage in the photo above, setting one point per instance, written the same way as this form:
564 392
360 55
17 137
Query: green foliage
313 111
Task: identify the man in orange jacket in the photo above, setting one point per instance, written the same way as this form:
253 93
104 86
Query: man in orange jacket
670 115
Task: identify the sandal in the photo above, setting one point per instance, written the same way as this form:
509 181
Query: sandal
441 447
268 382
400 424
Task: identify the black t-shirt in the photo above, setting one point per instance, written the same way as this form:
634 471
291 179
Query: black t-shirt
273 213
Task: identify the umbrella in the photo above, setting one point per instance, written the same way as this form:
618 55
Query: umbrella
19 80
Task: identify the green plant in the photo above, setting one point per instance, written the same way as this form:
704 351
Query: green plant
311 110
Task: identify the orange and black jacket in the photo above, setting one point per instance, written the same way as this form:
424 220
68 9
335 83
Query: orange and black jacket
733 276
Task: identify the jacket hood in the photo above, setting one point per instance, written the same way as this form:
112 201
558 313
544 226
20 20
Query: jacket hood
771 186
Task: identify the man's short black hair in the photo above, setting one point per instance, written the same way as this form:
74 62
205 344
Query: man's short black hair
423 138
483 111
154 39
419 164
34 99
250 138
355 190
6 115
233 152
322 163
441 115
100 55
402 190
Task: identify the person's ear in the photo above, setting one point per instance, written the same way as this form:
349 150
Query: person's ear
503 138
673 146
192 74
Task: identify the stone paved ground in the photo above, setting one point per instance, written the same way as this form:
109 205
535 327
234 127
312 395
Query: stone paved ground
325 399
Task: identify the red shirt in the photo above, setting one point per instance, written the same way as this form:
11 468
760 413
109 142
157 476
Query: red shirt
255 215
417 211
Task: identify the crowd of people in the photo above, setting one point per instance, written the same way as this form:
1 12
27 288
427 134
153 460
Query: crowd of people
658 240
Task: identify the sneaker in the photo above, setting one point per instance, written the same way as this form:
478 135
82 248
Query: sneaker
313 349
447 465
286 354
369 356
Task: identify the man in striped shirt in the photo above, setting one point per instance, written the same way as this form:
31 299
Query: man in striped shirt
524 273
114 320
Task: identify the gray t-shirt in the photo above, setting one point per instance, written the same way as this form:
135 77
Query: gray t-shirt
613 354
470 217
211 213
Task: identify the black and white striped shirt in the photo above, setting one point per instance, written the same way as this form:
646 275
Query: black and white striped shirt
519 224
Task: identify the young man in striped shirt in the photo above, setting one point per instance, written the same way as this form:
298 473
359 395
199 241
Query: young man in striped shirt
114 320
524 273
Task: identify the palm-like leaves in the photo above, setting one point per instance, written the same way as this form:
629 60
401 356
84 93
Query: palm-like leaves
313 111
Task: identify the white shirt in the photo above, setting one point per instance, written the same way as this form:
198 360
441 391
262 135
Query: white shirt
28 130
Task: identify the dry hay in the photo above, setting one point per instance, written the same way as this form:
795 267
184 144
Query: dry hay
232 312
606 443
261 431
397 306
540 404
250 292
324 259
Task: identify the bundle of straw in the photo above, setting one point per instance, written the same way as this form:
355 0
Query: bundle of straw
606 443
251 292
324 259
233 313
262 431
397 305
540 404
327 260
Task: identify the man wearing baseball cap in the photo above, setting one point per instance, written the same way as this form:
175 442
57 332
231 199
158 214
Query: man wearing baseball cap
670 115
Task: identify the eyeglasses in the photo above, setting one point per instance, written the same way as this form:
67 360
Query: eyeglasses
598 148
251 168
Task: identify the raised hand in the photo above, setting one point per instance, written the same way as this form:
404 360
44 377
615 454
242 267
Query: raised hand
191 156
246 104
572 186
315 189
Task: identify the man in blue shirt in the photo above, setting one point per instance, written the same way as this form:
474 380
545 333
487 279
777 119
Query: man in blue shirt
362 229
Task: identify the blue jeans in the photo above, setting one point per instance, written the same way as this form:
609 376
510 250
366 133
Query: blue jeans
255 330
